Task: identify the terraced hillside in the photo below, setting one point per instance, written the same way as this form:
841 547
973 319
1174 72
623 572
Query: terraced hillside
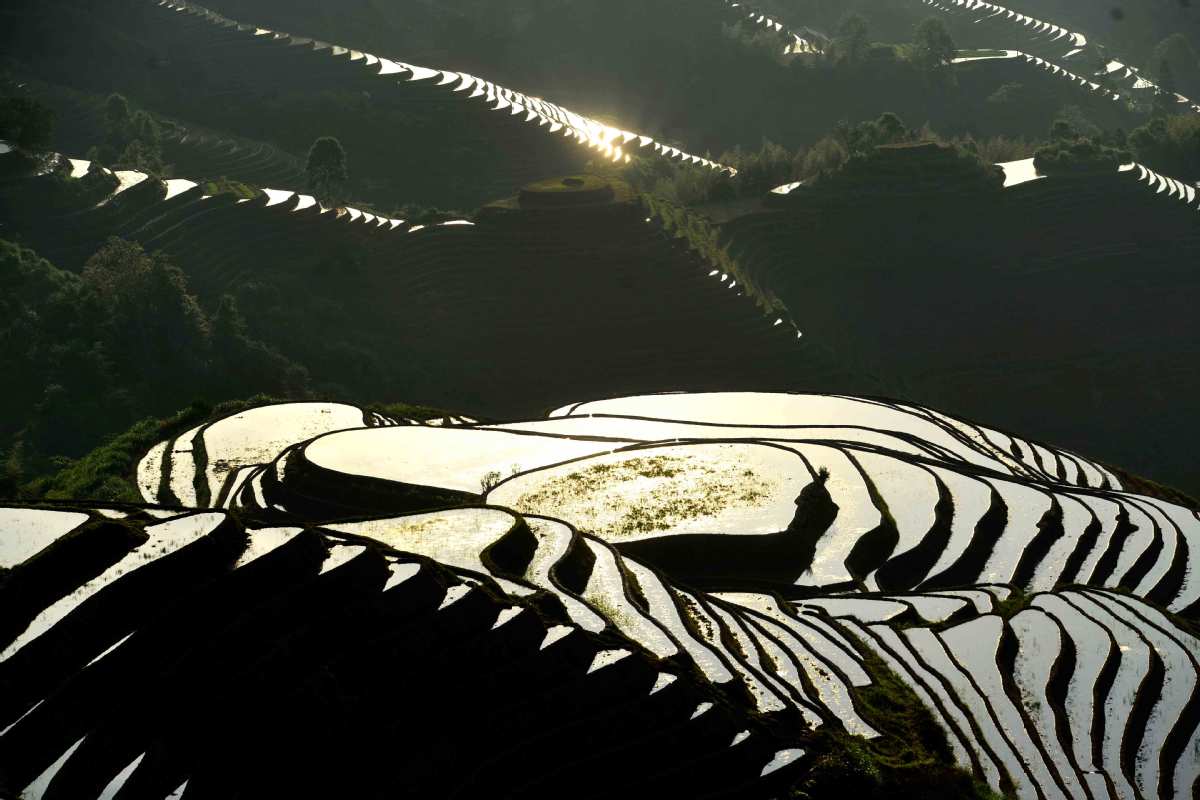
259 89
1071 331
266 635
579 257
1050 43
676 539
488 138
793 42
188 149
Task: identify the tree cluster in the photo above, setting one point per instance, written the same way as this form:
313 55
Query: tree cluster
773 164
89 353
1170 145
132 139
26 122
326 171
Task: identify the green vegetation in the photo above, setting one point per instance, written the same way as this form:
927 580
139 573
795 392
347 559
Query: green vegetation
235 188
400 411
132 139
852 39
397 150
847 145
898 250
1079 155
106 473
873 152
326 171
25 122
910 761
1017 601
758 171
97 184
1169 144
92 352
1078 147
933 46
705 239
981 52
642 495
907 168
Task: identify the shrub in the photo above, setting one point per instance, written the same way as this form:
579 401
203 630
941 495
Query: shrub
26 123
933 46
326 171
1170 145
1066 156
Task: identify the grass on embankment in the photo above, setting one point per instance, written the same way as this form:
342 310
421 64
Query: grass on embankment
107 473
911 760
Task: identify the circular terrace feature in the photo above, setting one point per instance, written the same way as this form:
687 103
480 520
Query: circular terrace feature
567 192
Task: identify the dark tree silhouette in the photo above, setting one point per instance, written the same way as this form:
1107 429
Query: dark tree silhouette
934 45
326 171
26 123
852 38
1164 98
1178 54
116 110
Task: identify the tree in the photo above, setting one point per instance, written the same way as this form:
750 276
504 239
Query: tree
144 128
863 138
760 171
26 123
852 38
228 324
825 157
242 364
1177 54
154 323
1164 98
116 111
890 129
1077 124
1062 131
142 157
326 171
1170 145
1078 155
934 46
133 138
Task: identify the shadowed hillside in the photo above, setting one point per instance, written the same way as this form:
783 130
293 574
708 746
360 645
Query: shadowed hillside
568 280
1058 306
681 76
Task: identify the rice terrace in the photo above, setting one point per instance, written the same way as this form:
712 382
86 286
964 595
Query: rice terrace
793 400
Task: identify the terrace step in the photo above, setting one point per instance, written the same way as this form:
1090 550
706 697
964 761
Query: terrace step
255 643
881 519
1059 43
1021 698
